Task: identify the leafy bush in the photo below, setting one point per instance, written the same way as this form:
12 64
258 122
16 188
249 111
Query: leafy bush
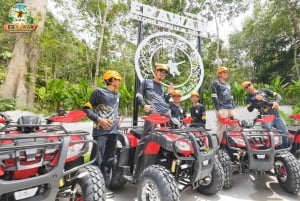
7 104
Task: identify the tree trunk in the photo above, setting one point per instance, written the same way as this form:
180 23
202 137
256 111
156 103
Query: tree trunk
22 69
14 82
38 8
102 22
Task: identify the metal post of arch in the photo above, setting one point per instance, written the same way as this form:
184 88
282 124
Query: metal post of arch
137 81
199 50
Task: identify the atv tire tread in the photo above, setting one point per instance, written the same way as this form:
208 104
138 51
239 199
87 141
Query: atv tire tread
92 184
217 181
164 180
292 183
225 160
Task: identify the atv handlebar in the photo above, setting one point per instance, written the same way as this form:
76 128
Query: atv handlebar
156 118
296 117
245 123
68 117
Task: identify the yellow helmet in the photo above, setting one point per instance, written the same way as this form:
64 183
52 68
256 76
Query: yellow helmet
176 92
221 69
245 84
195 93
162 67
111 74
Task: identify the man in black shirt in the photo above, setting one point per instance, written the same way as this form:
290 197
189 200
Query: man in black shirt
156 101
222 99
267 103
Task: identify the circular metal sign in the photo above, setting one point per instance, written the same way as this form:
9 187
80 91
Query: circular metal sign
184 61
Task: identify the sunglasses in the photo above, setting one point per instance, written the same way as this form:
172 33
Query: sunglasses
163 72
247 87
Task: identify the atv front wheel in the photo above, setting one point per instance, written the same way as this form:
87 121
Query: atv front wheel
157 183
90 186
214 183
225 161
287 172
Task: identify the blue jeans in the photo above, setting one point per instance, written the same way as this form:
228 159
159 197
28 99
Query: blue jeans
106 144
281 126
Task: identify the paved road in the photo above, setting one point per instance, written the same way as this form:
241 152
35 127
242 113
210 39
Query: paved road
245 186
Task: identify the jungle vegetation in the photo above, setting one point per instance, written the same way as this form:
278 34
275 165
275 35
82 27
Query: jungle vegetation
53 67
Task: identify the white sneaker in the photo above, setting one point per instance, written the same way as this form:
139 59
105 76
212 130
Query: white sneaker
109 194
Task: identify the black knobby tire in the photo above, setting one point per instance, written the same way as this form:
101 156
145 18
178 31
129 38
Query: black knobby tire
91 185
113 176
157 183
225 161
298 159
216 181
114 179
288 173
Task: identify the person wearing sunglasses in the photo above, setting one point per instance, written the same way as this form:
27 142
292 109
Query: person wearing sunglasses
156 100
223 100
267 103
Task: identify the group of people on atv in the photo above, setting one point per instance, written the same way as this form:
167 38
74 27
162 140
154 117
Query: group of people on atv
103 107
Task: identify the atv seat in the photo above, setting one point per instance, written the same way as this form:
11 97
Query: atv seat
294 129
137 132
29 123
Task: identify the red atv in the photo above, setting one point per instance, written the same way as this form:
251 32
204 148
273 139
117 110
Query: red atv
294 134
46 162
248 148
165 162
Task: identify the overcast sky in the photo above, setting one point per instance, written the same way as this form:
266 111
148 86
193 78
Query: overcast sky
225 28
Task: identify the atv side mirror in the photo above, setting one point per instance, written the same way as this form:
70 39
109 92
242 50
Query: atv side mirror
265 118
4 118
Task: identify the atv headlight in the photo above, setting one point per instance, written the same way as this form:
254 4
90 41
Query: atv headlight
277 140
74 149
184 147
239 141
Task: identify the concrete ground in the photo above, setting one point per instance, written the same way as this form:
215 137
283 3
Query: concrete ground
245 187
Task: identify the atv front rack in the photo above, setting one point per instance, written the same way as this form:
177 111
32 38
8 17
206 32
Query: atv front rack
203 157
260 144
37 160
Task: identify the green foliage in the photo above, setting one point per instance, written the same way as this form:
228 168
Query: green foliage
7 104
77 94
51 97
266 43
293 94
126 102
